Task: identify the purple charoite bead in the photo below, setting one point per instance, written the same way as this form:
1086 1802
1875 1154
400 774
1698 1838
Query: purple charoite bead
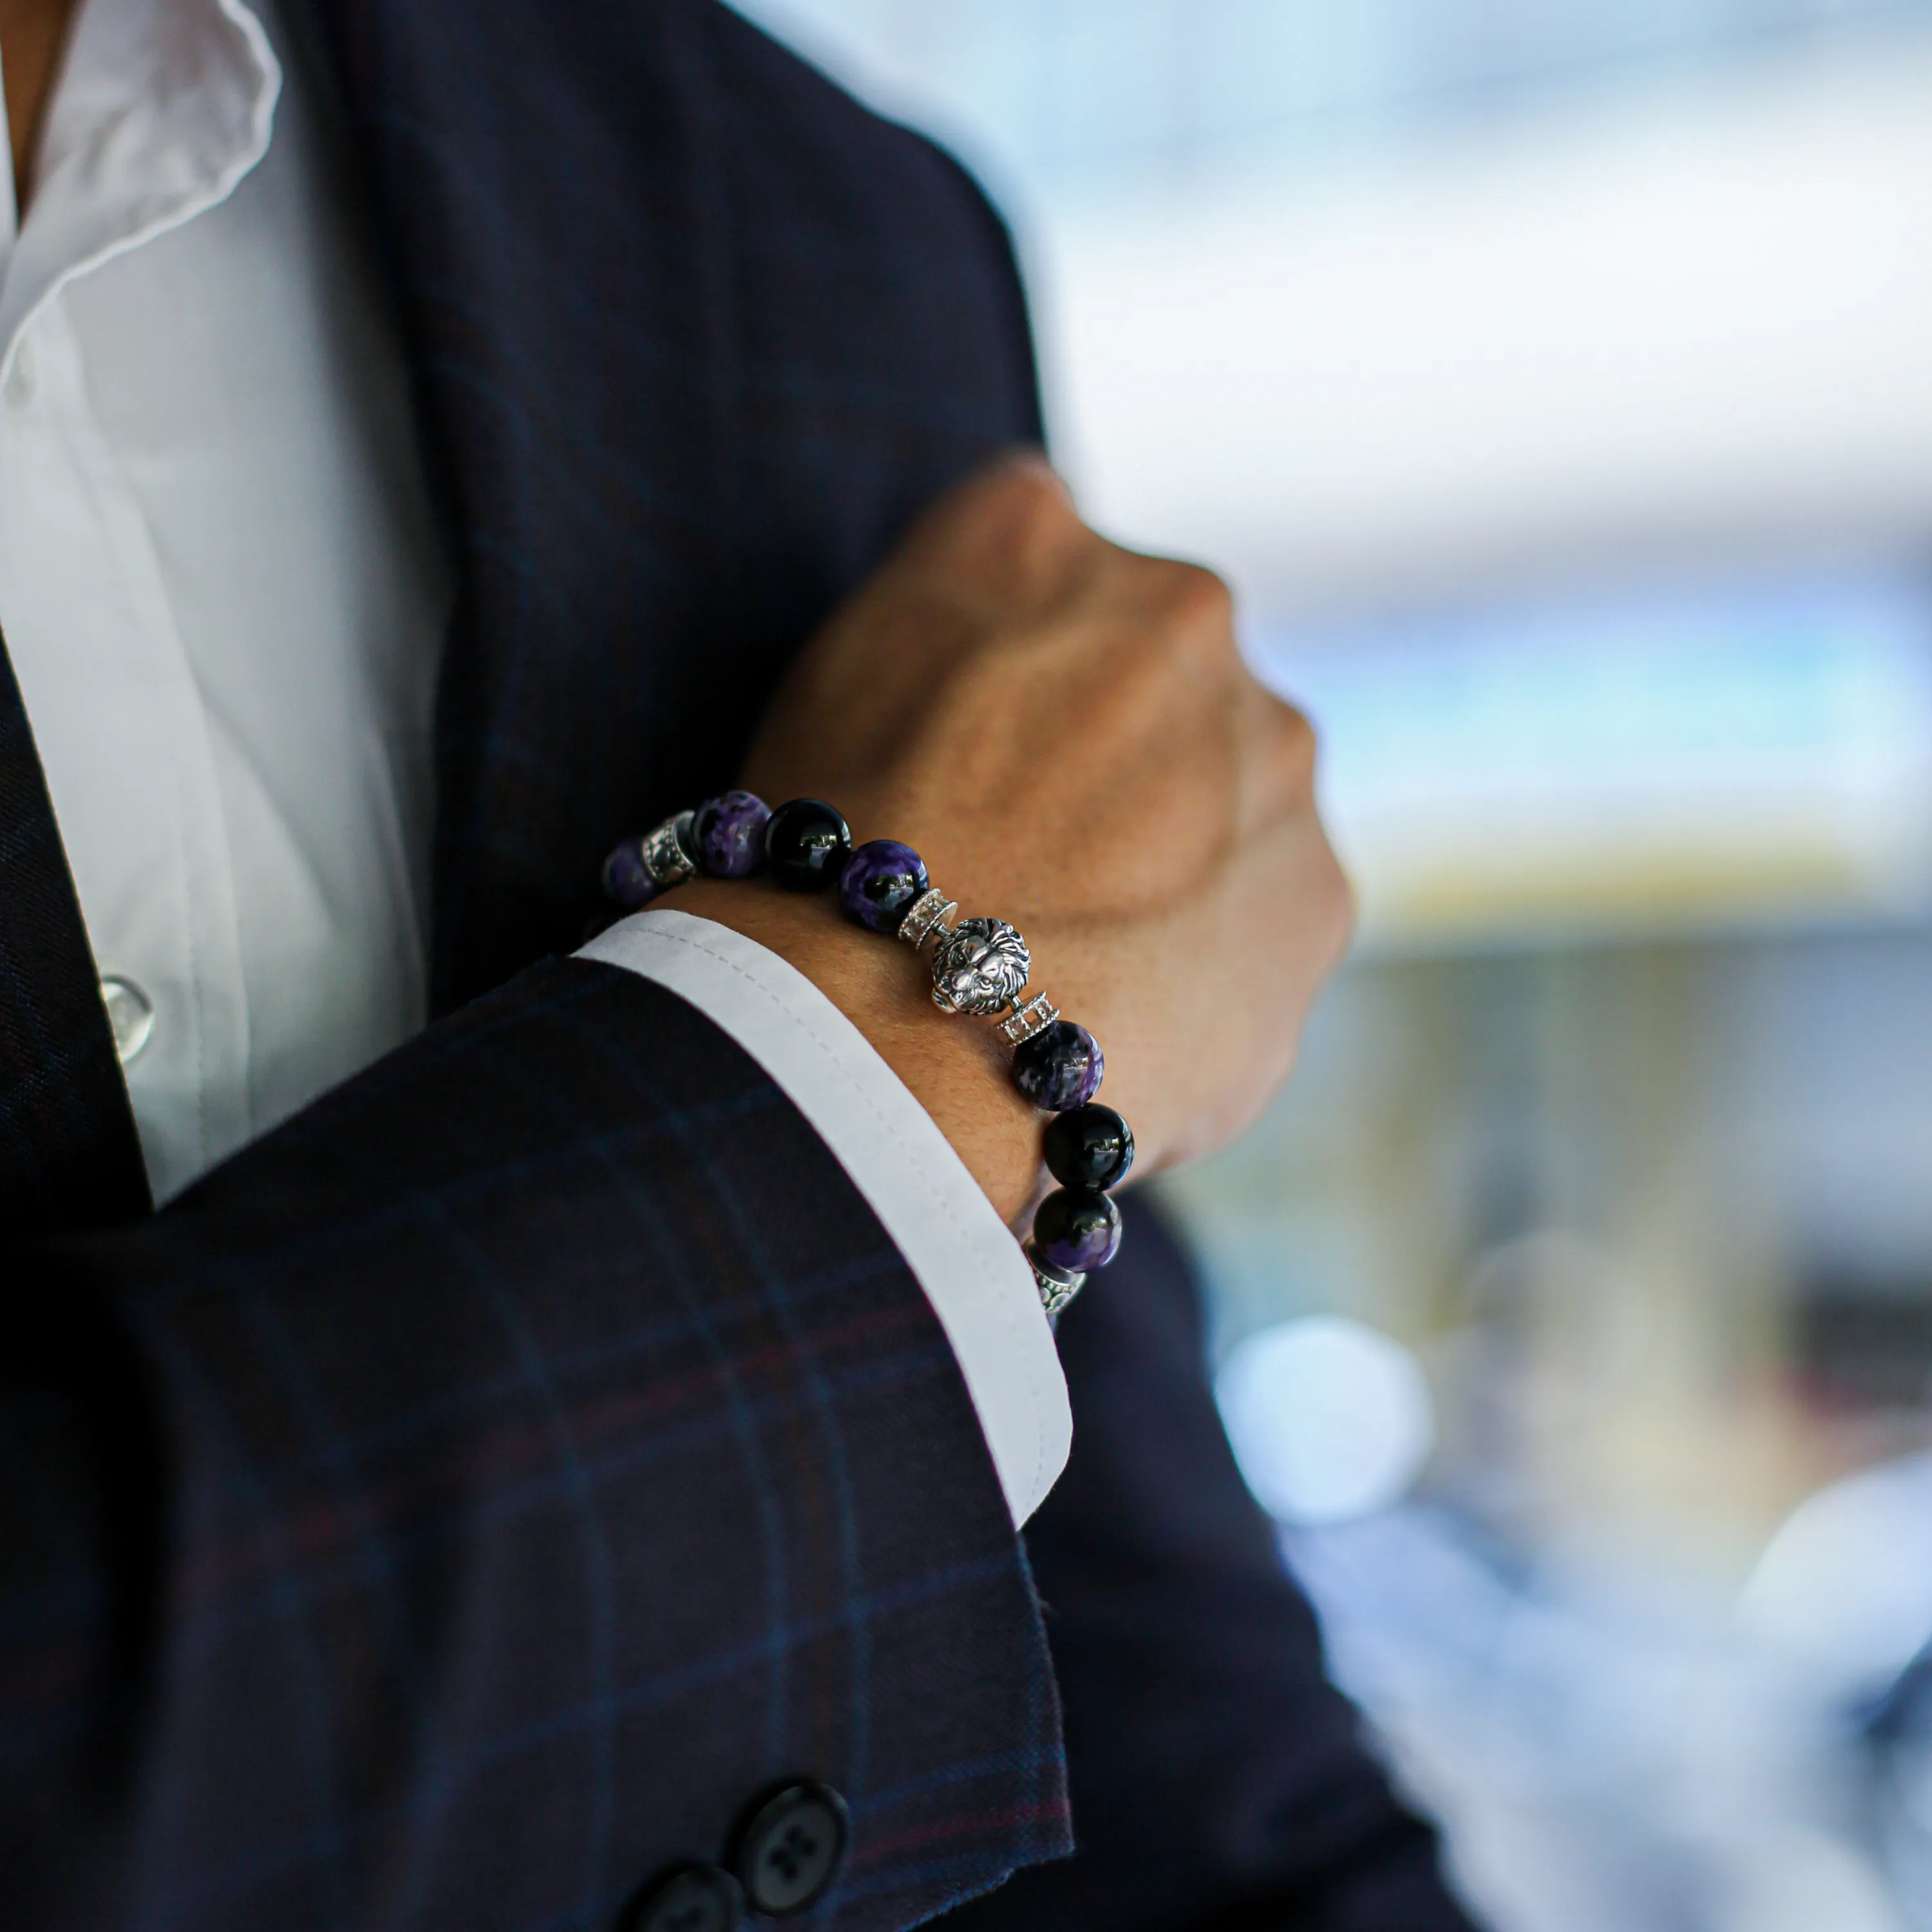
1061 1067
1077 1229
880 882
729 832
626 877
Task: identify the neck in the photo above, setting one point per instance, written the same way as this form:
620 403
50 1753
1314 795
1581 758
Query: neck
31 34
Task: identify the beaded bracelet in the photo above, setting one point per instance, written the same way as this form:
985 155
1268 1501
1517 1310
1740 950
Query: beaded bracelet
979 966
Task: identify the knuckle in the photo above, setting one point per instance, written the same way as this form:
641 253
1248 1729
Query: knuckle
1011 493
1195 599
1026 493
1283 747
1297 743
1037 527
1343 909
1008 541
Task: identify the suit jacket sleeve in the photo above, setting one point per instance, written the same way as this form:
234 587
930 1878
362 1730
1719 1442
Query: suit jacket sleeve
455 1508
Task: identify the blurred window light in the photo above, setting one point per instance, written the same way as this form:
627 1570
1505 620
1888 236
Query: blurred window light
1080 96
1716 755
1329 1418
1696 327
1685 310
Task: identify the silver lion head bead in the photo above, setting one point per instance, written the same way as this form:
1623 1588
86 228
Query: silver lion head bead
980 967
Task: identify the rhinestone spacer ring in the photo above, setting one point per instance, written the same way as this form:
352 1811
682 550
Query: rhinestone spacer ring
667 852
1036 1016
1058 1285
928 914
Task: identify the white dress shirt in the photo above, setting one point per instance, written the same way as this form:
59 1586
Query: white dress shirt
222 591
220 584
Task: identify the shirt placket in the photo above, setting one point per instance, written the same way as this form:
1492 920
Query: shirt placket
145 833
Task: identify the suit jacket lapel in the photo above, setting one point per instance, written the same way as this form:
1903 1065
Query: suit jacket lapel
69 1155
695 336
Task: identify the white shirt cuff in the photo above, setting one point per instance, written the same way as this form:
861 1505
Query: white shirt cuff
962 1254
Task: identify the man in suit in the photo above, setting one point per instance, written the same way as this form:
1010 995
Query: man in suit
555 1456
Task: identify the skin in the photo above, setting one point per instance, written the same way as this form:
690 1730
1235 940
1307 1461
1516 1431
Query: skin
31 32
1066 732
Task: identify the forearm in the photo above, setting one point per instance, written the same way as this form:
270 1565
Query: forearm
957 1072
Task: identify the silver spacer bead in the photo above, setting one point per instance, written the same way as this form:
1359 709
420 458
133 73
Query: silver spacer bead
1057 1286
980 967
927 914
667 852
1036 1016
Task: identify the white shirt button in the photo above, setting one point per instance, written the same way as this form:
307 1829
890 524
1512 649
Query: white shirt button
23 379
130 1013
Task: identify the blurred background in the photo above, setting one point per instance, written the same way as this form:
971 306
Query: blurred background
1553 378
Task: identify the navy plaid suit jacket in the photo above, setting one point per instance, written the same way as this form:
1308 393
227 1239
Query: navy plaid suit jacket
453 1508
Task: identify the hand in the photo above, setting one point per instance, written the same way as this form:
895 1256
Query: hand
1066 733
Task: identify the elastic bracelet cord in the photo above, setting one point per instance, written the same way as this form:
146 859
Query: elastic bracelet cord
980 967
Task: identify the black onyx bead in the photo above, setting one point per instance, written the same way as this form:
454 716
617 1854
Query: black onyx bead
879 882
1089 1147
1077 1229
807 843
1061 1066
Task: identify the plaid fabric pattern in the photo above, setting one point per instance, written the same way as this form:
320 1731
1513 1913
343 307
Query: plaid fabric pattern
68 1156
456 1508
696 336
552 1450
459 1505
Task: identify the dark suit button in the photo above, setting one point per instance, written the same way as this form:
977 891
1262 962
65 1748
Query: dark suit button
790 1849
693 1898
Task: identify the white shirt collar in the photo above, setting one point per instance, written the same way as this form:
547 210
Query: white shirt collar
161 107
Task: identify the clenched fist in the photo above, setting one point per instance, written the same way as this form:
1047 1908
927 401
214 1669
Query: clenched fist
1066 732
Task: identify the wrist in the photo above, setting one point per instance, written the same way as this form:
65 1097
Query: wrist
958 1074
